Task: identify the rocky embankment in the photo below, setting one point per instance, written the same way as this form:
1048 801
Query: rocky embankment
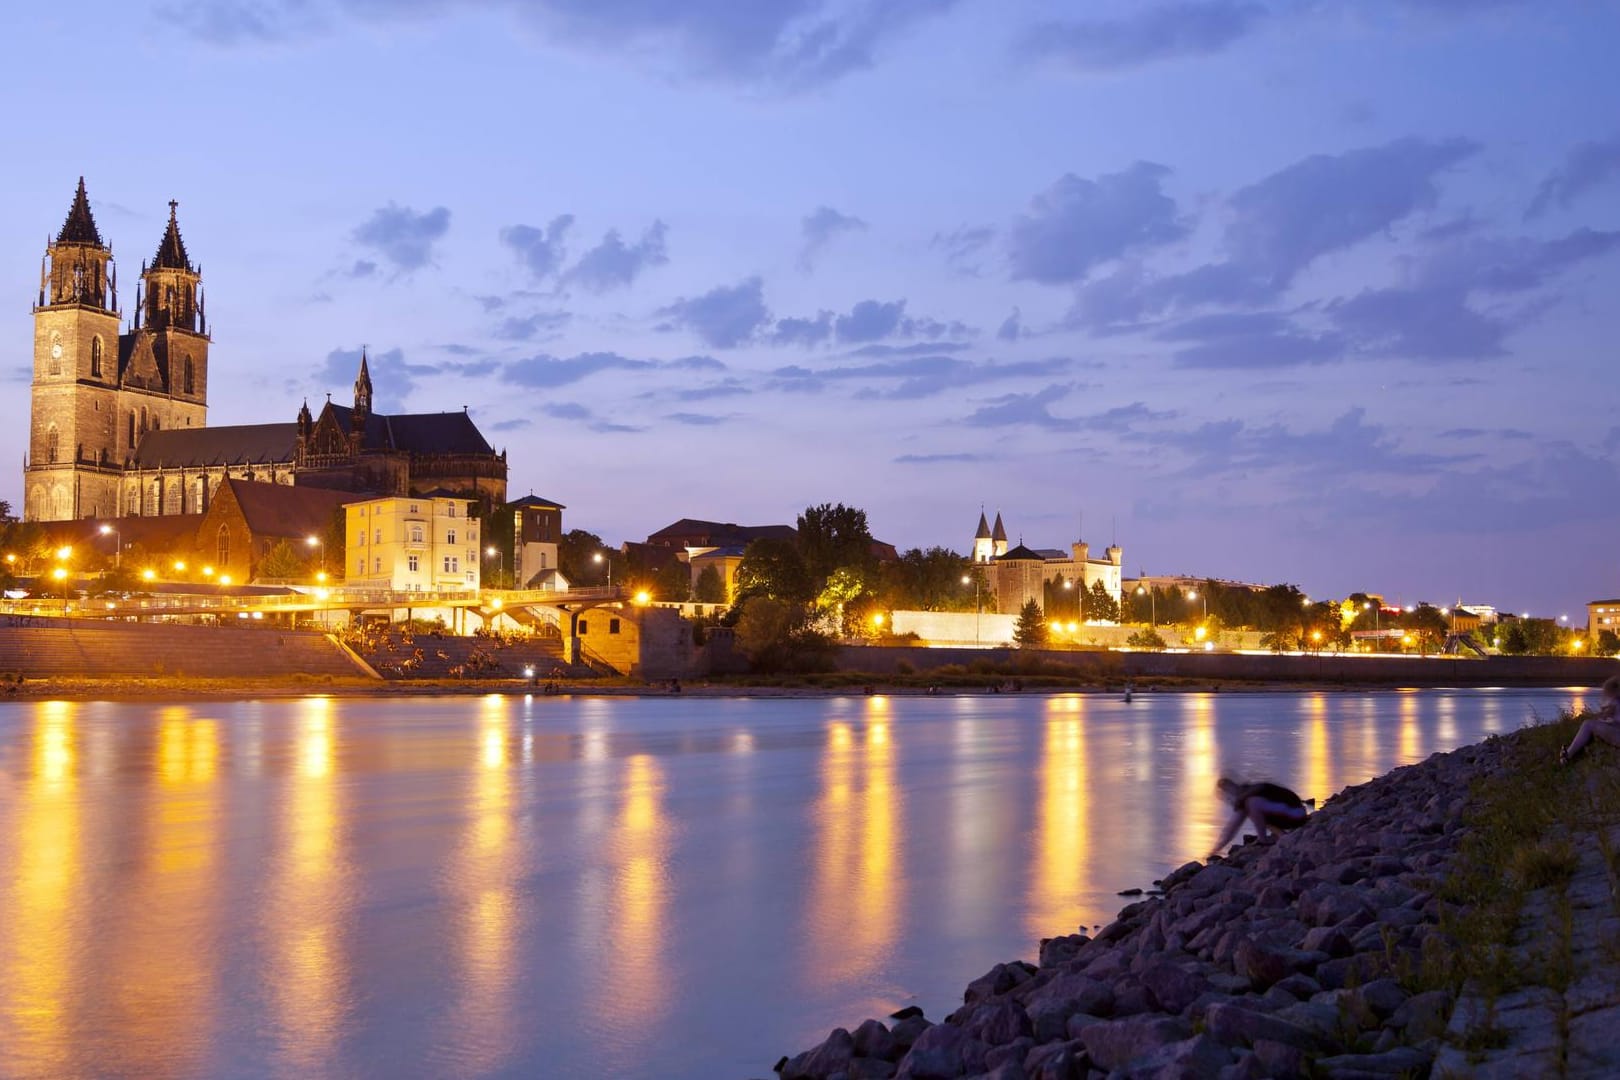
1332 952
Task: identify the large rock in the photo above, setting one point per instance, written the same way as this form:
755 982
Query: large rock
1173 986
1058 1061
943 1052
1075 992
1401 1061
831 1057
1235 1025
1060 950
997 981
1116 1043
1423 1015
997 1023
872 1040
1193 1059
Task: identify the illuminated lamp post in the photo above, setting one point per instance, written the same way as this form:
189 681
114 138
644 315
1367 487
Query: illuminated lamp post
316 542
491 552
118 543
1153 604
605 557
977 640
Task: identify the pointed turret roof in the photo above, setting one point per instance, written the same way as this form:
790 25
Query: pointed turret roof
171 252
1000 535
362 382
984 528
80 226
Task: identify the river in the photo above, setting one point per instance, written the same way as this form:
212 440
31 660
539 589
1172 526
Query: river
598 887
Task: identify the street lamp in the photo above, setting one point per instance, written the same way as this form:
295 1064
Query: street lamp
1194 594
492 551
977 640
599 558
316 542
1153 604
118 543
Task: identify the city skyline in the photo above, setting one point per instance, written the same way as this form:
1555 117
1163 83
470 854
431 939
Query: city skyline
1183 268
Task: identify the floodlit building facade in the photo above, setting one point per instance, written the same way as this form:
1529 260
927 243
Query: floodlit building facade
410 543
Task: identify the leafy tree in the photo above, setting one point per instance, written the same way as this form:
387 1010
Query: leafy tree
333 538
1146 638
282 561
673 583
929 580
1532 637
120 579
831 536
6 516
773 635
837 602
710 587
576 561
1100 604
1608 643
1030 630
1426 625
775 569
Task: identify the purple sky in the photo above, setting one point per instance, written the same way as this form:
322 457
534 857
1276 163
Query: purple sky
1288 291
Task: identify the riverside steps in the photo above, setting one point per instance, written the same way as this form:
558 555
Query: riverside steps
1457 917
36 647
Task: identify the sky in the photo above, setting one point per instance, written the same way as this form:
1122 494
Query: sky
1266 290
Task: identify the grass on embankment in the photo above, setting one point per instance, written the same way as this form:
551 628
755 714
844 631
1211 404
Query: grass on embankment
1525 819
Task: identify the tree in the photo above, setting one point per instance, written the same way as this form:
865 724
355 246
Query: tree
1146 638
1100 604
6 516
1030 630
775 569
673 583
710 587
282 561
831 536
836 605
1608 643
576 561
1426 625
773 636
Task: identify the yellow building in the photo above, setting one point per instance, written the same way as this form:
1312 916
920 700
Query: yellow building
1602 615
412 543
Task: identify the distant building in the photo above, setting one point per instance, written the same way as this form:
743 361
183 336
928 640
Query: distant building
1019 574
412 543
1602 615
246 520
119 417
536 529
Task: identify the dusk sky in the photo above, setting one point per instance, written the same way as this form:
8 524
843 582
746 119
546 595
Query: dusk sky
1288 291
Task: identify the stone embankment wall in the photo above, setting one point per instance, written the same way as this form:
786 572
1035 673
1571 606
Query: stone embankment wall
1359 670
40 648
1337 951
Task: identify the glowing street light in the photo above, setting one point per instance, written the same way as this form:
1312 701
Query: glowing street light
208 571
118 543
224 579
877 620
179 566
643 598
977 640
314 541
148 574
602 557
491 552
59 574
64 553
1153 603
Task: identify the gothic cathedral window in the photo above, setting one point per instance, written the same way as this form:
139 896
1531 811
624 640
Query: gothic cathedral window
51 444
95 357
190 377
222 546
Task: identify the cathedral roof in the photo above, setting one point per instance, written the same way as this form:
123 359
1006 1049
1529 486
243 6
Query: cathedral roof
984 528
171 252
418 433
80 226
236 444
1000 535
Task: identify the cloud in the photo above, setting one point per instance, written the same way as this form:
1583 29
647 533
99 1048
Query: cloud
392 378
1248 340
691 419
916 348
820 227
1588 165
963 246
1022 410
1147 35
915 377
866 325
542 251
613 264
804 332
1011 328
788 44
1077 224
402 236
574 412
870 320
937 459
515 424
724 317
527 327
1419 324
549 372
723 389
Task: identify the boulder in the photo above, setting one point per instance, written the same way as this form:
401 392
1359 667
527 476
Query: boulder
1401 1061
1281 1060
943 1052
905 1032
1058 1061
1327 939
998 980
997 1023
1075 992
1115 1043
1235 1025
872 1040
1173 986
1423 1015
1060 950
831 1057
1197 1057
1383 996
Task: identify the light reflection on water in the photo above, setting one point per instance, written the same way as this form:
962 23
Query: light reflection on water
590 887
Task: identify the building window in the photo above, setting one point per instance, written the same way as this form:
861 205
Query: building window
450 510
132 429
449 537
360 566
452 565
95 357
51 443
414 510
191 377
376 565
377 539
584 627
613 626
361 540
413 563
416 534
222 546
469 577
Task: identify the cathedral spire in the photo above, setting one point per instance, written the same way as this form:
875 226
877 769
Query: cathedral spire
171 252
362 387
80 226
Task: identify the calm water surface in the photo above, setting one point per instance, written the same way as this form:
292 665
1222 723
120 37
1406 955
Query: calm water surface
595 887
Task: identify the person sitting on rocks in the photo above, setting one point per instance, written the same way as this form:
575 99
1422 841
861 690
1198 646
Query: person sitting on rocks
1270 808
1605 725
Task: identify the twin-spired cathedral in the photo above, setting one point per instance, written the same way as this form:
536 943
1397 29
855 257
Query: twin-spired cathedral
119 418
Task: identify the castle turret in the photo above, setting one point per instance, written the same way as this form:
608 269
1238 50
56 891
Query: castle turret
998 536
983 548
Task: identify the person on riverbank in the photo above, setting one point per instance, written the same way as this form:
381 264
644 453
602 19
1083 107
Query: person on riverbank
1604 725
1270 808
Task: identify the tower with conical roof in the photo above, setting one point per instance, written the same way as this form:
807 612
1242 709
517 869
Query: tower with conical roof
72 452
998 536
983 549
172 317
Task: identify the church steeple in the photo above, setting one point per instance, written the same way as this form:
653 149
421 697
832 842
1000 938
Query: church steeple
362 391
173 294
78 263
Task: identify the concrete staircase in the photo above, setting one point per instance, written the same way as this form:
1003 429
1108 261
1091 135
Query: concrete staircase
422 656
37 647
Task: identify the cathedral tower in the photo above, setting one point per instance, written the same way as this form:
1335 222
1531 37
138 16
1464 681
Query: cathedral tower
73 447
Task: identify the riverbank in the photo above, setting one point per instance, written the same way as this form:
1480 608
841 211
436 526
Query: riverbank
1457 917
